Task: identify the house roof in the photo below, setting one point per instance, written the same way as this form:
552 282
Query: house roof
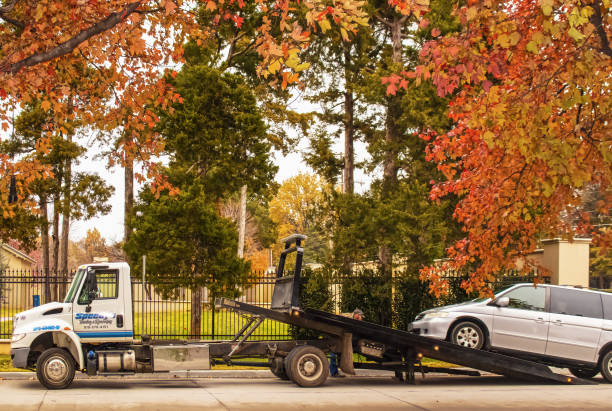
18 254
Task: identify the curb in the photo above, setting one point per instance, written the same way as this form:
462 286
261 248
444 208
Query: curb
246 374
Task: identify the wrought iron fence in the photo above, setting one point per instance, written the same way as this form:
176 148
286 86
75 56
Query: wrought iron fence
162 317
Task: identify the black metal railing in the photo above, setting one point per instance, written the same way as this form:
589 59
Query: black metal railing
163 317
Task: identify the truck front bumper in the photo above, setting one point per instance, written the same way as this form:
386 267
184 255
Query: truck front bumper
19 357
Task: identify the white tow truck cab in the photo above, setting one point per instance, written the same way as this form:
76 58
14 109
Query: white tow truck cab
93 331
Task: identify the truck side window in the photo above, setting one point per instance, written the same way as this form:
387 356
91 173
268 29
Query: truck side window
575 302
104 287
527 298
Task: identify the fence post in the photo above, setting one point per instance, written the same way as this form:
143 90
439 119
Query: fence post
213 316
142 296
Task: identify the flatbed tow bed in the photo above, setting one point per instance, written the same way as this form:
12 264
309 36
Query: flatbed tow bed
411 347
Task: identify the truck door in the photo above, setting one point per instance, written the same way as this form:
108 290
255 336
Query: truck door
99 311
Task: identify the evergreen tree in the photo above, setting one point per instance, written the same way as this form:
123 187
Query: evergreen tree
187 244
215 138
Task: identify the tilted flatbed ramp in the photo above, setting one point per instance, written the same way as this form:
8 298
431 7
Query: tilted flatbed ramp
403 341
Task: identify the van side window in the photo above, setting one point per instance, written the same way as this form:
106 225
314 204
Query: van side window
527 298
575 302
607 305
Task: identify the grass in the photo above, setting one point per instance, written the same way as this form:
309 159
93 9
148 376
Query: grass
5 364
176 324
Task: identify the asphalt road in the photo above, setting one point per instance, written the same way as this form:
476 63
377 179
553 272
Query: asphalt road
375 393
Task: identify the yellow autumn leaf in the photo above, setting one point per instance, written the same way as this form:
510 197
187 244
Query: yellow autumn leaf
324 24
45 105
274 67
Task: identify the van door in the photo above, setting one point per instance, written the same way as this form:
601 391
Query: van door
523 324
99 310
576 319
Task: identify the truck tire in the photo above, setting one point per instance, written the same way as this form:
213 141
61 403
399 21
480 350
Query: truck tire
606 366
277 367
468 334
307 366
584 372
55 368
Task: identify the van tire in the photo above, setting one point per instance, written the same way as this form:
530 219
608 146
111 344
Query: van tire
55 368
584 372
468 334
606 366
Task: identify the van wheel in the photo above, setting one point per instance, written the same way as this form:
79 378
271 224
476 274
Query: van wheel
606 366
468 334
584 372
278 368
55 368
307 366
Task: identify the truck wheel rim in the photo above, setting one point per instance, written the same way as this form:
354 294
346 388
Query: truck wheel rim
56 369
310 367
610 365
468 337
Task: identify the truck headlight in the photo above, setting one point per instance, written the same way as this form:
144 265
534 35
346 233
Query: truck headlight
439 314
17 337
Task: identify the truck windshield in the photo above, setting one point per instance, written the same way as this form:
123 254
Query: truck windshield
75 285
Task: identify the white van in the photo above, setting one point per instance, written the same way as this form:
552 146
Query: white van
558 325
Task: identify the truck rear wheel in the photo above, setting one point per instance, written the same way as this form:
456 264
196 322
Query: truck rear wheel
307 366
55 368
277 367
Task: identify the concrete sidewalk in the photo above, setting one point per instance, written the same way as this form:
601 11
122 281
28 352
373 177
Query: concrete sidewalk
435 392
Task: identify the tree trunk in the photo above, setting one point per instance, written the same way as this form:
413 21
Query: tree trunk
44 244
56 241
348 183
390 167
242 220
196 313
128 205
66 222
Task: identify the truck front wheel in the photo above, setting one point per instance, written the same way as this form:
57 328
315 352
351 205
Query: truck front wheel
55 368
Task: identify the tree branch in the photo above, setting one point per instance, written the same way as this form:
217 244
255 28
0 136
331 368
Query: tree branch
382 20
66 47
4 10
599 28
9 7
20 25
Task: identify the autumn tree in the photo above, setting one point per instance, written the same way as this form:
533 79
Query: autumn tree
128 43
531 103
73 195
298 207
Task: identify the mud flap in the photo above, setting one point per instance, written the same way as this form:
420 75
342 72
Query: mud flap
346 359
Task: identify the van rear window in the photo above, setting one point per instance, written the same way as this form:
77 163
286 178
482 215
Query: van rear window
575 302
607 306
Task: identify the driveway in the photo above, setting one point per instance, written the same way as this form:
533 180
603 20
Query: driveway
436 392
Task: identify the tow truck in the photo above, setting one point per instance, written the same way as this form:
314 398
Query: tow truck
92 331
